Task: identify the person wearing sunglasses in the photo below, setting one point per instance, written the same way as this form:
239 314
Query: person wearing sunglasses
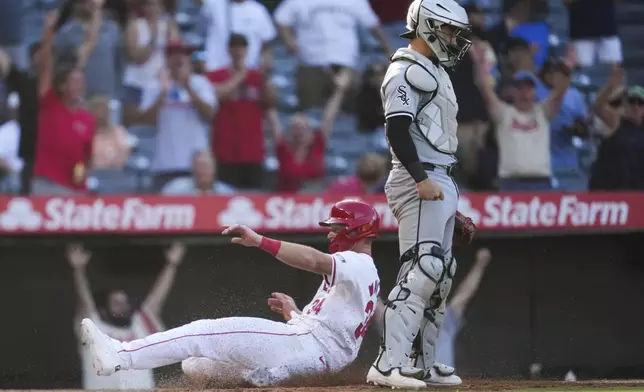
620 157
634 111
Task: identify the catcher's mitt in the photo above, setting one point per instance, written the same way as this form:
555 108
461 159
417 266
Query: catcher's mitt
464 230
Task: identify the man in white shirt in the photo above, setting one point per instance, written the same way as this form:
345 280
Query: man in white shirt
116 316
522 127
249 18
323 34
181 106
203 180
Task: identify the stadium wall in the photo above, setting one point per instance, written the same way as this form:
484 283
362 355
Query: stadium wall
566 302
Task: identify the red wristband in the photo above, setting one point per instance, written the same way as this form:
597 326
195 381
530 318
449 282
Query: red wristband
270 246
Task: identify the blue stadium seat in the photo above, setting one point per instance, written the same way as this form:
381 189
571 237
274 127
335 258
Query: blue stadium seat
335 165
114 181
344 125
349 146
146 148
143 131
138 163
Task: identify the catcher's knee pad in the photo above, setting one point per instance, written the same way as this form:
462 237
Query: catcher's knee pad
430 261
405 306
444 286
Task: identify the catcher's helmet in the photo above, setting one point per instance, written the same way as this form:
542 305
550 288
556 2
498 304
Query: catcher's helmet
425 19
359 220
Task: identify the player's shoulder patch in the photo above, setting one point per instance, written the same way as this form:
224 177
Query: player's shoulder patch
340 257
351 257
421 78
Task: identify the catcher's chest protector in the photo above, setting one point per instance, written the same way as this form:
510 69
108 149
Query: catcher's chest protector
436 114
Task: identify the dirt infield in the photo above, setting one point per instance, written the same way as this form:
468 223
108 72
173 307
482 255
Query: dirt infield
469 385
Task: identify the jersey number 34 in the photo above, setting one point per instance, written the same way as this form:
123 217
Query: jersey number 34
362 328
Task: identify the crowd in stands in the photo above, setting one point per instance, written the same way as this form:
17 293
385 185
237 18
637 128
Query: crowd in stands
186 97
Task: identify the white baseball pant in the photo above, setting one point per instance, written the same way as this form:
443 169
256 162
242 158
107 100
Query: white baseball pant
259 351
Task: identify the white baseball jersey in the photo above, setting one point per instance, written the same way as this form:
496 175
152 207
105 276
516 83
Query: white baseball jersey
143 324
344 305
325 337
416 87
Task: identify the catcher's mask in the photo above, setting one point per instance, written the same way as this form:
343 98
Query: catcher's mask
357 220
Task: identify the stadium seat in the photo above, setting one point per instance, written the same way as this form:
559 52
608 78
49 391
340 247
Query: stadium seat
114 181
146 148
143 131
138 163
336 165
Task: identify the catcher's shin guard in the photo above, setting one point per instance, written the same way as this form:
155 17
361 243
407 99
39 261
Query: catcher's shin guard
433 317
405 306
425 348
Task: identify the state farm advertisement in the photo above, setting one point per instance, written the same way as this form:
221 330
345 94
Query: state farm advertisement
295 213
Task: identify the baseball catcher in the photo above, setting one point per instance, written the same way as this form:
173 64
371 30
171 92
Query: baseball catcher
420 109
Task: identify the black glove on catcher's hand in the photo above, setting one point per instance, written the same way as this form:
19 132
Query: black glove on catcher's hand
464 230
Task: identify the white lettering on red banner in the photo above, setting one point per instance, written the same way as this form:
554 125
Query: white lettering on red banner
503 211
301 213
131 214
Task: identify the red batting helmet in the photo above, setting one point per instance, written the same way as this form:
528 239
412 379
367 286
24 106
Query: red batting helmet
359 221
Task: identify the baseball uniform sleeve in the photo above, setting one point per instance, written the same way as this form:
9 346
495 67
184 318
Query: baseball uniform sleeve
398 97
400 102
348 268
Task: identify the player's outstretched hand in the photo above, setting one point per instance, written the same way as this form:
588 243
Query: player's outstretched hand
51 18
174 254
342 79
77 256
243 235
429 190
483 256
282 304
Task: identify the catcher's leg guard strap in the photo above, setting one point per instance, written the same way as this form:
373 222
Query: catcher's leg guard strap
405 306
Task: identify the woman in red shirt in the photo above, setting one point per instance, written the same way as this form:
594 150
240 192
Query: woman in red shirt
65 128
301 153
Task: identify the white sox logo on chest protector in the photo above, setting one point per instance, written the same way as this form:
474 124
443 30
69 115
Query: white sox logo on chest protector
436 116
